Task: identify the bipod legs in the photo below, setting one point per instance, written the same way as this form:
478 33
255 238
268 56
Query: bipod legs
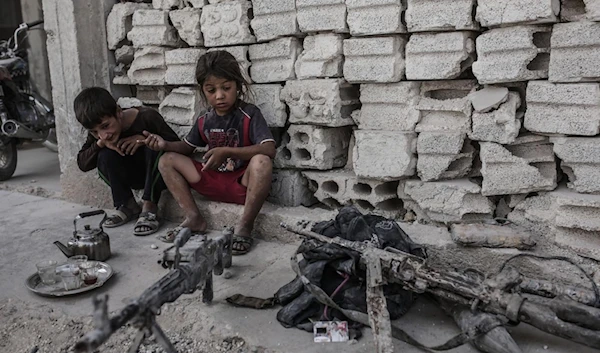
149 327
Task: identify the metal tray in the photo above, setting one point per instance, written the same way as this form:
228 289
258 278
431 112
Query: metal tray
34 284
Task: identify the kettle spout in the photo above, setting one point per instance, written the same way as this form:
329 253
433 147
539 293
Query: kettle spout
64 249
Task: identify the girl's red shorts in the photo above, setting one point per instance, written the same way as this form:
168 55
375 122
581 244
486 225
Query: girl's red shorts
221 186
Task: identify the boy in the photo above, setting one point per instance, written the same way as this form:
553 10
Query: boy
237 167
122 163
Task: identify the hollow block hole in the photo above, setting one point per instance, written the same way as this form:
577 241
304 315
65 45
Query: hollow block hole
331 187
303 154
389 188
302 137
362 189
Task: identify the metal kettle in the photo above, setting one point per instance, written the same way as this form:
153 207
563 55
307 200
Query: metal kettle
92 242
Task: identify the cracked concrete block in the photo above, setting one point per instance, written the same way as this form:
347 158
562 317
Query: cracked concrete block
122 80
369 17
151 95
152 28
492 13
326 102
450 201
440 15
181 130
501 125
374 59
580 161
124 54
577 211
274 61
321 15
443 155
119 22
290 188
182 106
445 105
321 57
196 3
569 108
226 23
439 56
274 18
374 157
167 4
575 54
592 10
240 53
314 147
187 23
513 54
488 98
129 102
181 66
526 165
267 98
148 67
389 106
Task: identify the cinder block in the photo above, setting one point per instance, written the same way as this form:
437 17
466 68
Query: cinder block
314 147
181 66
513 54
445 106
151 95
118 22
182 106
152 28
526 165
373 17
570 109
167 4
274 18
501 125
268 99
148 67
326 102
577 211
122 80
290 188
124 55
439 56
129 102
196 3
449 201
226 23
575 54
274 61
240 53
321 15
580 161
374 59
181 130
492 13
321 57
440 15
592 10
443 155
384 155
389 106
187 23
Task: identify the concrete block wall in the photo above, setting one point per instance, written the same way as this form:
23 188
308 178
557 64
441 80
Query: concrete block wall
454 110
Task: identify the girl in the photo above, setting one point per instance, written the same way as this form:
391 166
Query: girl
238 164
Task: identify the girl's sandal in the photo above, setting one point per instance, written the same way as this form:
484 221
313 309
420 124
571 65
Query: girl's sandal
120 216
244 244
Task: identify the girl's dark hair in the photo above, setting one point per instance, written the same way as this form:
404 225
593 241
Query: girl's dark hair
222 64
92 104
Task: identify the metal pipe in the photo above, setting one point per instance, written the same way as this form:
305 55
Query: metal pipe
13 128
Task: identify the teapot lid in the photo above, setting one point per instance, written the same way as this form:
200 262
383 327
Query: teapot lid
88 232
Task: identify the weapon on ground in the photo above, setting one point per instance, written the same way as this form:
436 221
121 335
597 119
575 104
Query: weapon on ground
568 312
208 257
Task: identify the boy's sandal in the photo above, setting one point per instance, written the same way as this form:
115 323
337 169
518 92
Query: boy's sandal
242 243
119 217
148 220
170 235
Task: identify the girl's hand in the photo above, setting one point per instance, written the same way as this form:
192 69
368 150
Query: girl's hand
129 144
153 141
215 158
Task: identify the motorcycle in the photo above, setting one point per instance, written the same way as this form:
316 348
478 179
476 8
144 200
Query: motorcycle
24 114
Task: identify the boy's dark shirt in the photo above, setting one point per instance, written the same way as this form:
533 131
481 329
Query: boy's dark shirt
147 119
228 131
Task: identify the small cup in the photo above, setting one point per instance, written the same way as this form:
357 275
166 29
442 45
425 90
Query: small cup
77 259
70 275
46 271
89 272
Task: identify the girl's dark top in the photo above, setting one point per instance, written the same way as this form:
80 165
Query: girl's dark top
147 119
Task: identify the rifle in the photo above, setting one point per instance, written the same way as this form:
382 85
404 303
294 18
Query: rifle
207 257
568 314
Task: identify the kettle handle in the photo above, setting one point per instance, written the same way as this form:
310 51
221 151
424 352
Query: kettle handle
89 214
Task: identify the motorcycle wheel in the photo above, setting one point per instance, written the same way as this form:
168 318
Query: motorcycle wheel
51 142
8 159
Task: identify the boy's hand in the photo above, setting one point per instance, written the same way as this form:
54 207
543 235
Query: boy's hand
215 158
129 144
153 141
113 146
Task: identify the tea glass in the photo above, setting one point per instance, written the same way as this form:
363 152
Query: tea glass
89 272
77 259
46 271
70 275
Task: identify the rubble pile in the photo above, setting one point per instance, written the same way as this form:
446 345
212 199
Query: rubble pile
454 110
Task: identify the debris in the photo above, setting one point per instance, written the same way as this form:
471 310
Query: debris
491 236
488 99
153 246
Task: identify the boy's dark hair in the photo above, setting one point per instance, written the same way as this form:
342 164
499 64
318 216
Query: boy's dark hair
92 104
222 64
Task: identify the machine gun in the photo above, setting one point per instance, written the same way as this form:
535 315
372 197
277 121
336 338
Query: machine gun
208 256
568 312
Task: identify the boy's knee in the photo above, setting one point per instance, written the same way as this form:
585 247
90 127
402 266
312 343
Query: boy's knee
261 163
166 161
107 157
